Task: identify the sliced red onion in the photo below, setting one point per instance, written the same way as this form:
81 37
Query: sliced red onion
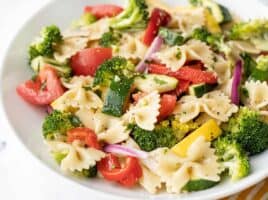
235 97
155 46
119 149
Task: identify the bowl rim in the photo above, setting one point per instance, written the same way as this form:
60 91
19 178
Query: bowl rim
249 181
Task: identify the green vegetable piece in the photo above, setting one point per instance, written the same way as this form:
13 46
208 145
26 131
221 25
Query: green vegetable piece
40 62
110 38
44 46
134 16
199 90
58 123
85 20
150 140
232 157
88 173
248 129
152 82
117 97
199 184
171 37
216 41
255 31
58 156
219 12
116 66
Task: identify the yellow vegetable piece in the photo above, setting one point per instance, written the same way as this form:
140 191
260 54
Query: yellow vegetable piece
210 130
211 23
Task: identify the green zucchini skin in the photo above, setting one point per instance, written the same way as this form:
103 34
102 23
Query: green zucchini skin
199 184
117 97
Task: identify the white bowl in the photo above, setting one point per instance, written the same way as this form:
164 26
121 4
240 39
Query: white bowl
26 119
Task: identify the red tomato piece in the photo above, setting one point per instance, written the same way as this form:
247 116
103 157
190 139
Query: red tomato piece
103 10
43 90
126 175
158 18
167 106
182 87
87 61
158 69
83 134
196 75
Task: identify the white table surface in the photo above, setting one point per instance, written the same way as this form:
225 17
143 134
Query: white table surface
22 176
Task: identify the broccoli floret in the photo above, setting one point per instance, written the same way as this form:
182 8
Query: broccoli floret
216 41
40 62
116 67
43 46
179 129
247 128
249 64
171 37
146 140
255 31
58 123
85 20
262 63
257 70
88 173
109 39
150 140
232 157
134 16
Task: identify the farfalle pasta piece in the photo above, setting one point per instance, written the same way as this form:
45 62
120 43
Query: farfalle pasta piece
222 69
257 94
110 129
69 47
218 105
77 82
187 108
150 181
175 57
145 112
175 172
169 57
86 116
188 19
77 156
77 98
130 47
197 50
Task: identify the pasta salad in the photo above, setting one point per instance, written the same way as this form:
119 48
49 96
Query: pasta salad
172 99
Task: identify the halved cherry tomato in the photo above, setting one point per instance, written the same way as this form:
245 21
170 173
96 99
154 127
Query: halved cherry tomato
158 18
103 10
83 134
127 175
87 61
182 87
167 106
43 90
196 75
